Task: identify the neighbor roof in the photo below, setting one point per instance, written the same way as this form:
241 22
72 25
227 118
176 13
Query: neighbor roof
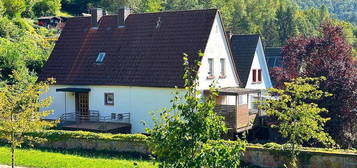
243 51
273 57
147 52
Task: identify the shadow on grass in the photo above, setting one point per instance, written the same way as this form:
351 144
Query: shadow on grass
130 156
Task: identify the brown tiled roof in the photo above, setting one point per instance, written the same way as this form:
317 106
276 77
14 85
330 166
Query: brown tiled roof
243 51
141 54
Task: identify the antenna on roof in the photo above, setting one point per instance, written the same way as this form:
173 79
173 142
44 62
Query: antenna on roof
158 23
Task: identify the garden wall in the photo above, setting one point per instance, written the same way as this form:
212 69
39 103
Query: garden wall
272 158
94 141
263 156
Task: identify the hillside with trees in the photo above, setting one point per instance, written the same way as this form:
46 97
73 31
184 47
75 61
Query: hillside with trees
275 20
341 9
23 44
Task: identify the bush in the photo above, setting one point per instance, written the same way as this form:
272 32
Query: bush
47 8
221 154
55 135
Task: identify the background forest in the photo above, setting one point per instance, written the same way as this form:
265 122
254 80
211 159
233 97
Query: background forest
275 20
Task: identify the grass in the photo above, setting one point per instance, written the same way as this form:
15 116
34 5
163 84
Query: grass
73 159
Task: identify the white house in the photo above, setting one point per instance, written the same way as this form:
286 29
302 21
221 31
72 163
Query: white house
125 66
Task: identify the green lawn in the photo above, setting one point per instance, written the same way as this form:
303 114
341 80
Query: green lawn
58 159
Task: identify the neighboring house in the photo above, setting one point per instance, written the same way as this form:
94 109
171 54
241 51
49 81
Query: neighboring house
273 57
116 67
52 22
249 57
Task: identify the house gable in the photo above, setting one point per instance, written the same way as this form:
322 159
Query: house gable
259 63
217 48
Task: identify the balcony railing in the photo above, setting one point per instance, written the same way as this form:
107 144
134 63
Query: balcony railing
94 116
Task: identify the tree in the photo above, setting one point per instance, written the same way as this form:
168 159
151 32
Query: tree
152 5
2 8
298 120
183 135
331 56
19 110
286 22
47 7
14 8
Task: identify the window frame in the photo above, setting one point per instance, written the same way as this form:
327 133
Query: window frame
260 75
254 75
210 67
100 57
106 99
223 67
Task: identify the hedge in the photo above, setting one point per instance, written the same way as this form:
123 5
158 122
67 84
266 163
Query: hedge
55 135
275 146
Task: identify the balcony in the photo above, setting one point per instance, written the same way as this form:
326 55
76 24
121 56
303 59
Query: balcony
240 114
94 122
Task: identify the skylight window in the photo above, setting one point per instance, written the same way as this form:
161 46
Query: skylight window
100 57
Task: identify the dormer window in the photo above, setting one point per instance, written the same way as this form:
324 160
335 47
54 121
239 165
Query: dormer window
100 57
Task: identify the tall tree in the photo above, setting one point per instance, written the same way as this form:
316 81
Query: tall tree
298 120
182 136
286 22
19 110
331 56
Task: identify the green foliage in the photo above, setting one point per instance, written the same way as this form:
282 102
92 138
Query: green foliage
299 121
22 46
14 8
152 5
47 8
19 110
341 9
181 136
220 154
56 135
2 8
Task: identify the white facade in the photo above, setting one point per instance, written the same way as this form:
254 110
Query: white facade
141 101
259 62
138 101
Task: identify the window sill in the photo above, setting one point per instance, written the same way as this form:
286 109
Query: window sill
257 82
222 76
210 77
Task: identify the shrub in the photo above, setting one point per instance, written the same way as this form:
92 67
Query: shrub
221 154
55 135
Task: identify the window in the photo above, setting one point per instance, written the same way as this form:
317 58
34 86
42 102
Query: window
259 75
223 67
210 66
254 75
109 98
100 57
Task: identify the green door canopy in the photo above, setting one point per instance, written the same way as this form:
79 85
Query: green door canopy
76 90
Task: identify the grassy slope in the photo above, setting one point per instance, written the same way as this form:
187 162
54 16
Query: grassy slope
43 159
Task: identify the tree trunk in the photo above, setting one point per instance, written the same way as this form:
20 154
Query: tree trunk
12 156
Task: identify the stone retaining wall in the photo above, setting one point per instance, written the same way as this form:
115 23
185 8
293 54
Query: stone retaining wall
97 145
254 155
307 159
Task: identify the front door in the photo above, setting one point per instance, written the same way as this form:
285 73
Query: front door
82 106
